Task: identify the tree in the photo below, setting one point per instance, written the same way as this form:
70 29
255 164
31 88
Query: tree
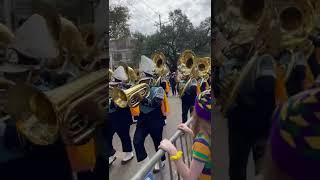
139 47
178 35
202 37
118 22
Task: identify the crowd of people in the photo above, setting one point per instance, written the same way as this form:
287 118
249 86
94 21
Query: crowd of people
151 114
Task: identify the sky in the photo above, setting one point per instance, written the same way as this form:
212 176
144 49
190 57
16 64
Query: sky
144 14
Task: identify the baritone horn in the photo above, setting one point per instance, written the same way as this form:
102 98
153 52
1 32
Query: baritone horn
130 97
40 116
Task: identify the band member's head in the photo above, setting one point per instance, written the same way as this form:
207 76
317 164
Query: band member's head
147 78
202 113
294 152
120 75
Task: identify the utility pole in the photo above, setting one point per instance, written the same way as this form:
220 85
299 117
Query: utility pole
160 21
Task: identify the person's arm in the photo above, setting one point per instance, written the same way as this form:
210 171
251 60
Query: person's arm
186 173
191 173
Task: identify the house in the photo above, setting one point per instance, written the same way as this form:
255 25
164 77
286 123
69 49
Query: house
14 12
121 50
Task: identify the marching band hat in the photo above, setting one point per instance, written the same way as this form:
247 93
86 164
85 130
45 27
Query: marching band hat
33 39
147 66
120 74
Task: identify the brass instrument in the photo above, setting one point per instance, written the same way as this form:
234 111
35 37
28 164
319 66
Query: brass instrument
187 62
187 69
296 20
72 41
238 20
204 66
89 36
132 76
160 61
6 36
110 73
131 96
44 116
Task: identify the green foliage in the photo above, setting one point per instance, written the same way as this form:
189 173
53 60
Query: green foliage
175 37
118 22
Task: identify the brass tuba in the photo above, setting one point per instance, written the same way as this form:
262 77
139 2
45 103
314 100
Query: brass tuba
44 116
130 97
187 62
238 20
160 61
296 21
187 70
204 67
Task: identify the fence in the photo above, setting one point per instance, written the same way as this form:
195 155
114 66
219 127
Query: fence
147 168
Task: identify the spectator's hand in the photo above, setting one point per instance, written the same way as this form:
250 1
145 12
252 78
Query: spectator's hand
185 128
167 146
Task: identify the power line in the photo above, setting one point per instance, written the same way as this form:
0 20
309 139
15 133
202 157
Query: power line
145 16
149 7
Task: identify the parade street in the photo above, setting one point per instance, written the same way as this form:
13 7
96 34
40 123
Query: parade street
125 172
220 142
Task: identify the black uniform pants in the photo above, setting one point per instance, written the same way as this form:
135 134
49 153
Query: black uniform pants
173 88
142 131
186 107
240 146
124 134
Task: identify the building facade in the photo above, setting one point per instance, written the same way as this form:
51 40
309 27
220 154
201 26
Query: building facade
14 12
121 51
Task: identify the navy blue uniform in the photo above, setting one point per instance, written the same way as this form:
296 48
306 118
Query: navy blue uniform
188 101
150 121
120 120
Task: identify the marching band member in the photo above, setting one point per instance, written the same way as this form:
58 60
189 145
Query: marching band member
255 101
47 162
188 98
151 119
120 121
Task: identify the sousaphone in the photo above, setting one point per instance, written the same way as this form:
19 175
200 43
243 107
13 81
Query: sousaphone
238 20
160 61
296 21
187 70
161 68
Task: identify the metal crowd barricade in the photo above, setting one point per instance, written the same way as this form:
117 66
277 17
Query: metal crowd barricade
147 168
